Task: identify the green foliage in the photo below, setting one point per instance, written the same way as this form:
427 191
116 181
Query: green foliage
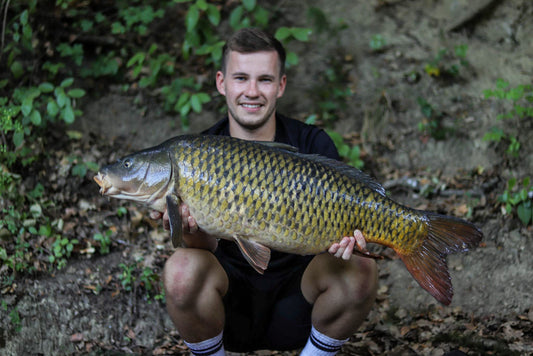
184 95
61 249
351 154
377 42
518 198
432 122
80 167
448 63
14 316
521 98
286 35
104 240
134 277
331 95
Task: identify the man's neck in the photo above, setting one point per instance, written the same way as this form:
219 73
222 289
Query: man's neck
267 132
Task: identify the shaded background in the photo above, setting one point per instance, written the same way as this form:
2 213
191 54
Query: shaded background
404 82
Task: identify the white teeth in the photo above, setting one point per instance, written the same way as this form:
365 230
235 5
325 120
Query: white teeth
251 106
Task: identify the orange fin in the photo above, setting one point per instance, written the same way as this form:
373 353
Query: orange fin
427 264
256 254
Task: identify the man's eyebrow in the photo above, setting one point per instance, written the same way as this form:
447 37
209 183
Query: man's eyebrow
239 74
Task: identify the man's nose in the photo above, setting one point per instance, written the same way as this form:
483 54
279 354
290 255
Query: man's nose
252 89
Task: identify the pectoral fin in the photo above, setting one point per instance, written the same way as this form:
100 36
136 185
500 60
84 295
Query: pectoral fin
256 254
174 217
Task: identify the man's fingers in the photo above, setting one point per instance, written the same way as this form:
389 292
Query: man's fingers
347 254
359 240
154 214
193 227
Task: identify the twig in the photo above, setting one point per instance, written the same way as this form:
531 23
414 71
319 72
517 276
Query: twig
6 4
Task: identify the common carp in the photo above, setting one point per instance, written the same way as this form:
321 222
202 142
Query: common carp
268 196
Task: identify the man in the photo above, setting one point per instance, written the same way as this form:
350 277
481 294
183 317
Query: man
215 299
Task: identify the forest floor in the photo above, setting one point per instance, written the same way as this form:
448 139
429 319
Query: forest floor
110 303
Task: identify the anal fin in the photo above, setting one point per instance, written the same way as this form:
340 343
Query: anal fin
256 254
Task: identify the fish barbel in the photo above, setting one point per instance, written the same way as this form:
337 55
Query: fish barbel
267 196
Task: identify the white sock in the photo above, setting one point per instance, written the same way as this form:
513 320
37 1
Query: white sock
209 347
319 344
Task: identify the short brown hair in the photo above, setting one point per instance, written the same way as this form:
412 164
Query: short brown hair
250 40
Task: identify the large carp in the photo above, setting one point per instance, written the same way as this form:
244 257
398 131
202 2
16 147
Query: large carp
267 196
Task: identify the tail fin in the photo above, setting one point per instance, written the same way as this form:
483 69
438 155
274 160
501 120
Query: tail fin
427 264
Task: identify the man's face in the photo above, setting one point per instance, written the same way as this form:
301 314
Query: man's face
251 84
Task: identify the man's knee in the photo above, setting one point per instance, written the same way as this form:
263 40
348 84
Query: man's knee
353 282
187 273
364 283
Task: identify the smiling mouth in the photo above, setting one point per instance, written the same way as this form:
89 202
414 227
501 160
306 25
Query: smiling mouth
251 106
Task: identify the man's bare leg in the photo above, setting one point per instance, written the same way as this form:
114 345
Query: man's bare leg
195 283
342 293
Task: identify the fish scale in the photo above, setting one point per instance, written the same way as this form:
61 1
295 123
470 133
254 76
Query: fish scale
279 198
265 195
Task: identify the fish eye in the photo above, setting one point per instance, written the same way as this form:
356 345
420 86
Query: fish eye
128 163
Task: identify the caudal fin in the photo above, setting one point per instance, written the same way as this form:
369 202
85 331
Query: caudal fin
427 264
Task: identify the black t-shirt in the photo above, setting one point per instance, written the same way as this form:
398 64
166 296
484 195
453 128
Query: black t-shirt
308 139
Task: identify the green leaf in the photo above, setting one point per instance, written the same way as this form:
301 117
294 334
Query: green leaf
66 83
261 16
137 58
27 106
17 69
195 103
18 138
67 114
183 99
24 17
202 4
292 59
61 98
524 212
282 33
301 34
35 117
249 4
79 170
185 109
213 14
46 87
235 17
52 108
204 98
76 93
192 17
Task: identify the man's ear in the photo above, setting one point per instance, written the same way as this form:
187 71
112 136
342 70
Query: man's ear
220 83
282 85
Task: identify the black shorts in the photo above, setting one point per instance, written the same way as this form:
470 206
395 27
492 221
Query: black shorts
265 311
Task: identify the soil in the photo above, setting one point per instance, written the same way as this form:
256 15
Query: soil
87 308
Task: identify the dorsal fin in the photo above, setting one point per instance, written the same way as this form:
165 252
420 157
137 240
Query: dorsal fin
278 145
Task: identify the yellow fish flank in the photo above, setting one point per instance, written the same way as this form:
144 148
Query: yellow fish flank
267 196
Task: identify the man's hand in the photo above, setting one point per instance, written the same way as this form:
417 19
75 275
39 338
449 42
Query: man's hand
187 221
192 236
344 248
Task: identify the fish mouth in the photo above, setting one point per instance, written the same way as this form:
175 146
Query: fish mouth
102 182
